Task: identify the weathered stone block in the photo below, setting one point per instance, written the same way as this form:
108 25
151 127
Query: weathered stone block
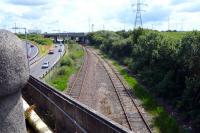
14 74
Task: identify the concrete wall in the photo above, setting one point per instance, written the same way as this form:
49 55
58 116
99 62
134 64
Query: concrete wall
65 114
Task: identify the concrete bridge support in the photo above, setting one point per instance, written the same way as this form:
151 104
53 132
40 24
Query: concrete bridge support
13 76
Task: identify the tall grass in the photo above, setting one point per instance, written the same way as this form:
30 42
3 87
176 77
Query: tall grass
69 64
162 121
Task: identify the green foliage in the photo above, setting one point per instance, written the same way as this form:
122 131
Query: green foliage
66 62
167 62
190 61
61 71
162 121
37 38
70 42
102 37
68 65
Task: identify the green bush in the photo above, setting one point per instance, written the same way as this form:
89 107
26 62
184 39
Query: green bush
62 71
66 61
70 42
67 67
168 63
36 38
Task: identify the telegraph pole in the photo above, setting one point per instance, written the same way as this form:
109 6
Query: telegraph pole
124 23
26 41
138 16
92 27
89 24
15 27
168 23
103 27
182 25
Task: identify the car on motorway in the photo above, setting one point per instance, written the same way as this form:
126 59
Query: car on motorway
32 45
51 51
45 64
59 50
56 45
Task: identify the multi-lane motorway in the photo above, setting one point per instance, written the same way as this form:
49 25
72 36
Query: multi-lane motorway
36 69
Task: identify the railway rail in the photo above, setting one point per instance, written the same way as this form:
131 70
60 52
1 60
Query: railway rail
134 117
66 113
77 85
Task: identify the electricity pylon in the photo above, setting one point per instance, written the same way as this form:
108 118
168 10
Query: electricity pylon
138 17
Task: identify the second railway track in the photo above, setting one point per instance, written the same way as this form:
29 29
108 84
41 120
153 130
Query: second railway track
77 85
134 117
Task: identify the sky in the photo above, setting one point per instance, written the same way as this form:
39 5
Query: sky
80 15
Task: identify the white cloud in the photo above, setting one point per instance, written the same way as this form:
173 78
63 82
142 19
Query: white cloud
73 15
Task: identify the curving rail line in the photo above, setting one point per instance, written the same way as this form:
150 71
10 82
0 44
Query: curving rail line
130 95
135 119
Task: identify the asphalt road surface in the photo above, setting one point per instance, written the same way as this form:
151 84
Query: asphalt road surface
32 51
36 69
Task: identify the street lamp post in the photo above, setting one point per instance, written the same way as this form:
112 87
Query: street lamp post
17 28
67 43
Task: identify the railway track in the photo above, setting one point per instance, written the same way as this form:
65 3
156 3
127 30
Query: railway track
134 117
77 85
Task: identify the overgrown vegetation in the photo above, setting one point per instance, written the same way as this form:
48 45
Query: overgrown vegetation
168 65
37 38
68 65
163 122
44 44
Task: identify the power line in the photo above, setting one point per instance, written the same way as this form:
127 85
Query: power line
168 23
182 25
15 27
103 27
89 24
138 16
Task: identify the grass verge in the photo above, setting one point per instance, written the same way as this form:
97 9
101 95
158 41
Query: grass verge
43 44
68 65
162 122
43 49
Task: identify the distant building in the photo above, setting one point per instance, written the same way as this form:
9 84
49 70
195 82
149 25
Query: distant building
34 31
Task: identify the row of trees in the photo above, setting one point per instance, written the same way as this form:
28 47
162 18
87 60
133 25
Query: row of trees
170 68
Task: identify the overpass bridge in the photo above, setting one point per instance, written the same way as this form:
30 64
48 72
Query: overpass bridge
80 37
61 113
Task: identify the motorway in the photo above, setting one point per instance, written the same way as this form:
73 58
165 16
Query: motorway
36 69
32 51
